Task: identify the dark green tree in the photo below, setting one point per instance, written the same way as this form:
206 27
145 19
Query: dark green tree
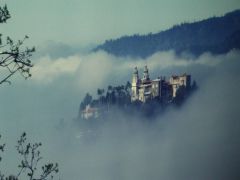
100 93
87 100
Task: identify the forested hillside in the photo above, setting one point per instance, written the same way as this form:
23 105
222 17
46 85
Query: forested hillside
216 35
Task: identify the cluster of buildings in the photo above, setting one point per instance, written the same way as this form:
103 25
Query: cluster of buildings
144 88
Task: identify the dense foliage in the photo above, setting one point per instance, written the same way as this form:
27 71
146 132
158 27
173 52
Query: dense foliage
114 96
119 98
216 35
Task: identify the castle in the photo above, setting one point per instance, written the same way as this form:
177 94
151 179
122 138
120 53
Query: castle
145 89
142 90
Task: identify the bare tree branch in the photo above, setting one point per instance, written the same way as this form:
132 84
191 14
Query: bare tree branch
14 57
31 158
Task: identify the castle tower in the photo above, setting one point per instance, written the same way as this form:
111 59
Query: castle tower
135 85
145 74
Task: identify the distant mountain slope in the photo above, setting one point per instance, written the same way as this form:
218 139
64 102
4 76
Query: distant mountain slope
216 35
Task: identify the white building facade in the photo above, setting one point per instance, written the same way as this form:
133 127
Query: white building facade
145 88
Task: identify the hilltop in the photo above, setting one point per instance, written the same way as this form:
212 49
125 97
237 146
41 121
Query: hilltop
217 35
145 95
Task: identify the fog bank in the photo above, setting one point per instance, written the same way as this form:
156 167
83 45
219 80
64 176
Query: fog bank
198 141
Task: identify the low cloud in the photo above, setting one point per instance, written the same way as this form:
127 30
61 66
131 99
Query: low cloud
94 68
198 141
46 70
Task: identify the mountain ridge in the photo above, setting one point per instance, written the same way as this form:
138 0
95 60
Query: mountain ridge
216 35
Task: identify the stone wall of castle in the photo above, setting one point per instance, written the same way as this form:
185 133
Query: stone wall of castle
145 88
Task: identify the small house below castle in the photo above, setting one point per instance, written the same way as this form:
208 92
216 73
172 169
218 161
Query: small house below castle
90 112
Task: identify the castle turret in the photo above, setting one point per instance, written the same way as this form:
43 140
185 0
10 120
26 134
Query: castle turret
145 74
135 84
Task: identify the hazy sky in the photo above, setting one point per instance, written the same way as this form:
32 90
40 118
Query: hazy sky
199 141
93 21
